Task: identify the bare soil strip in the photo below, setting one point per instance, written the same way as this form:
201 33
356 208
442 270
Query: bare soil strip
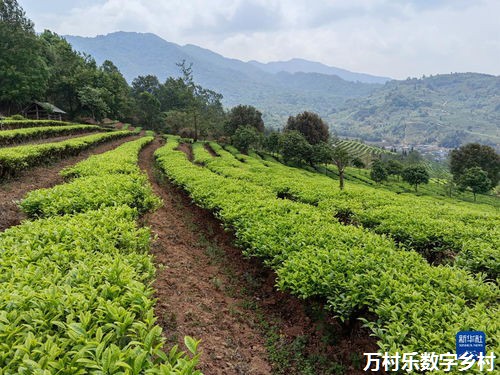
205 288
210 150
187 149
191 290
14 189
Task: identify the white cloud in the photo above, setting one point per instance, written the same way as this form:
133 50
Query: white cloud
398 38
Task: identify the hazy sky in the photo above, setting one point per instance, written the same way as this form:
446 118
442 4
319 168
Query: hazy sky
396 38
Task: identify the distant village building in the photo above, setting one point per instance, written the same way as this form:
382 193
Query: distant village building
43 111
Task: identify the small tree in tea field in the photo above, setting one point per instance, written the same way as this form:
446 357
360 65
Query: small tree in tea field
415 176
476 180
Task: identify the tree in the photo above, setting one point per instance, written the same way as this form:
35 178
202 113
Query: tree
271 142
378 173
244 138
205 106
294 148
243 115
475 155
91 98
208 105
182 103
357 163
149 110
23 71
394 167
415 176
73 76
341 160
175 121
68 71
322 153
310 125
11 14
148 83
118 99
476 180
413 157
449 186
174 95
193 102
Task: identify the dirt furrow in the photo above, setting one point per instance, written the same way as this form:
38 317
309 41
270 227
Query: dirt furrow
205 288
14 189
192 289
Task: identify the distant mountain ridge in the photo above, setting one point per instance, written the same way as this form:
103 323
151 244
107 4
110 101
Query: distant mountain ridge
278 95
295 65
304 66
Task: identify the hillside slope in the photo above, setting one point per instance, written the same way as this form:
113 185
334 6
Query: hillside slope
448 110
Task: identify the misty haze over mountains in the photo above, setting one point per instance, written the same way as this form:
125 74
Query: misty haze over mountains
160 50
304 66
444 109
276 93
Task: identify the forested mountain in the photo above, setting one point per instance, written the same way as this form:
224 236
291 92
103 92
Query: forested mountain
278 95
449 110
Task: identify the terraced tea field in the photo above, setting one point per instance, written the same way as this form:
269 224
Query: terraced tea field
416 270
116 249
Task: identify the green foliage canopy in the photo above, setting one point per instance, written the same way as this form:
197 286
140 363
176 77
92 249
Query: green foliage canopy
393 167
415 175
272 142
294 147
243 115
178 104
475 155
92 98
378 173
476 180
310 125
322 153
23 71
341 159
245 137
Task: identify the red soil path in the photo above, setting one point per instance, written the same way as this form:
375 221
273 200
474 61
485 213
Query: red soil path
206 289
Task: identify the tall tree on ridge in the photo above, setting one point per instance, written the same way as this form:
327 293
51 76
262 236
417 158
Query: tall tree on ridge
244 115
310 125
